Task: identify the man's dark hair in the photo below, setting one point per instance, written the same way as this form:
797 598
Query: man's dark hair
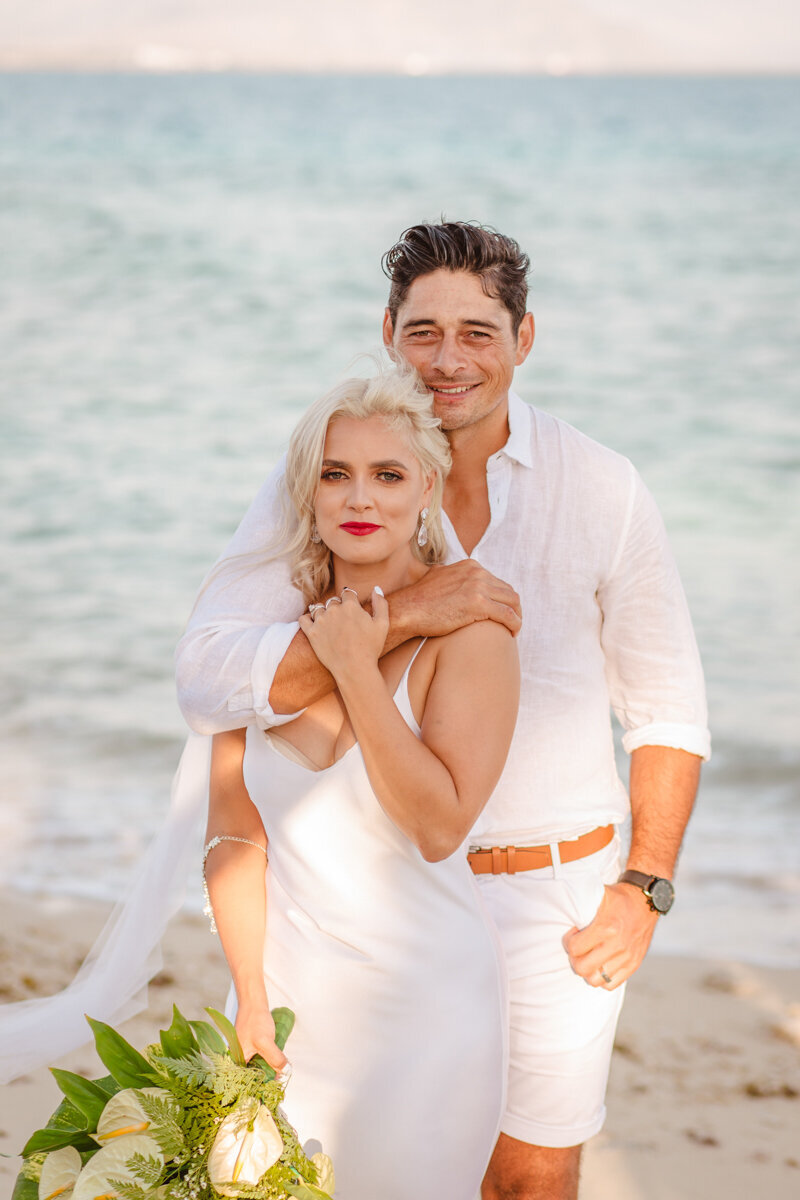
460 246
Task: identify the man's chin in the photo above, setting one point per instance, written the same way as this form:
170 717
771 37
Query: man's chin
452 416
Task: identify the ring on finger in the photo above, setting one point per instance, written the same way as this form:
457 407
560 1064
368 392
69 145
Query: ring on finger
333 600
605 976
352 592
313 609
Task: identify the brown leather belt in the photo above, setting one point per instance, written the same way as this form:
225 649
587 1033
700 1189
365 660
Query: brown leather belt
501 860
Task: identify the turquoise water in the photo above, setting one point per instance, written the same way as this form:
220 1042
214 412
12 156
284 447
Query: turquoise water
186 261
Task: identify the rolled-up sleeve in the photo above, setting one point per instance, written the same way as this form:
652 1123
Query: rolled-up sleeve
242 624
653 668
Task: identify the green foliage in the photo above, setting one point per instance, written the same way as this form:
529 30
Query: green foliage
87 1096
163 1115
66 1127
208 1039
27 1185
179 1039
131 1191
128 1067
229 1033
205 1080
192 1069
284 1024
306 1191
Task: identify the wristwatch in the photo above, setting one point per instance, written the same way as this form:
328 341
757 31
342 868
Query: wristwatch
659 892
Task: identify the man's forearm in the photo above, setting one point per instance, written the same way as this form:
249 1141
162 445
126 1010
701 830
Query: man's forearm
301 679
611 947
443 600
663 785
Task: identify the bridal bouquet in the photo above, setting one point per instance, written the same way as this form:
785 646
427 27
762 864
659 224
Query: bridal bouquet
188 1119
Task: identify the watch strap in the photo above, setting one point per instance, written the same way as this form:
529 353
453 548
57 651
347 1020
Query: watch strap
638 878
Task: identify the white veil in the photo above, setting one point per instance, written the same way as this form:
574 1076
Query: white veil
111 985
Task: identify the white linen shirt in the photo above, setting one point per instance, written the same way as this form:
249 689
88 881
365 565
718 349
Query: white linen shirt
605 625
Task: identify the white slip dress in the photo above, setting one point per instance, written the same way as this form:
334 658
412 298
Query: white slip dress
394 971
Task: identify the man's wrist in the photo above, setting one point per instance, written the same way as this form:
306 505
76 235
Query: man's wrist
400 621
656 889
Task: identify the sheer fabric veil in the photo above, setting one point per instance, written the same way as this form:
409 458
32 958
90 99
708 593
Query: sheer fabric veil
111 985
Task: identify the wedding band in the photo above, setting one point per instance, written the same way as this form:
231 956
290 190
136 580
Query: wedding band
607 978
333 600
352 592
313 609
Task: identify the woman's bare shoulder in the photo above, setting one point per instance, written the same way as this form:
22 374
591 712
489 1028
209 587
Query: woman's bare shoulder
483 645
481 637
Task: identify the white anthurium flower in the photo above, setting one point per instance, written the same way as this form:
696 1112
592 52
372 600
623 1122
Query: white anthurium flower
59 1171
124 1114
112 1162
247 1144
326 1180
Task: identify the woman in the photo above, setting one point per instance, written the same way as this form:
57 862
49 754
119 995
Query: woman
370 925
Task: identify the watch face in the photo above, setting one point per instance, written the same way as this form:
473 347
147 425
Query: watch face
662 894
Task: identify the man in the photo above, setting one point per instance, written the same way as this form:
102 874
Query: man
534 510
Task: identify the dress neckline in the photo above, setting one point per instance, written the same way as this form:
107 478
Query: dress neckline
286 749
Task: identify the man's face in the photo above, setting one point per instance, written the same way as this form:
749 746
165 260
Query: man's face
461 342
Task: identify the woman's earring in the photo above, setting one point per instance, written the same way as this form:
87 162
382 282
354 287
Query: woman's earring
315 533
422 532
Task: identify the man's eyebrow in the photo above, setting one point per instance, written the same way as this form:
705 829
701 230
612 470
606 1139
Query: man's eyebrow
466 321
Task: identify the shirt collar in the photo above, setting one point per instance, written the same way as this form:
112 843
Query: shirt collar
518 445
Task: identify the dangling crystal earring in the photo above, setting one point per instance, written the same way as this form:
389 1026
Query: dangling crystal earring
422 532
315 533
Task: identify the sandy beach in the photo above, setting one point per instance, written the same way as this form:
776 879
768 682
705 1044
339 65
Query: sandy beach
704 1100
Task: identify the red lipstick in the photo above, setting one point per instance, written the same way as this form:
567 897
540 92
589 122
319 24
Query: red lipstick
359 528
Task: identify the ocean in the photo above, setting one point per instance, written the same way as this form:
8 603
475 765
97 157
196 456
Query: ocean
186 261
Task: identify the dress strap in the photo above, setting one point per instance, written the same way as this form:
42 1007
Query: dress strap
401 697
404 677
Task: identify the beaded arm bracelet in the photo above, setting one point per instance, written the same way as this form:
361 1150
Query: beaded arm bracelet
215 841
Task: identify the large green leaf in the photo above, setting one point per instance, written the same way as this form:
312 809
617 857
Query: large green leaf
66 1127
306 1191
25 1189
209 1041
229 1032
54 1139
179 1040
284 1024
87 1096
128 1067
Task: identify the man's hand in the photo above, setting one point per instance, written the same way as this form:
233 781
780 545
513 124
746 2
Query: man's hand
616 941
450 597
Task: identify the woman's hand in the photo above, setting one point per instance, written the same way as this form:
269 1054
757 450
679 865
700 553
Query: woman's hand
256 1030
344 635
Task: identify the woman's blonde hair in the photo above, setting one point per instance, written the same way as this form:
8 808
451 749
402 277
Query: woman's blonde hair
397 395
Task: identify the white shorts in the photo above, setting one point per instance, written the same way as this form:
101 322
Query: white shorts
561 1028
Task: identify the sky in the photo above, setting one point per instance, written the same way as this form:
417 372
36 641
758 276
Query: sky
414 37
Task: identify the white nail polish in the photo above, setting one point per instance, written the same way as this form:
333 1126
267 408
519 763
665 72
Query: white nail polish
379 590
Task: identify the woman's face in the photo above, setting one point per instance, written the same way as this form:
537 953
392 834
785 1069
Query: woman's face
371 491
